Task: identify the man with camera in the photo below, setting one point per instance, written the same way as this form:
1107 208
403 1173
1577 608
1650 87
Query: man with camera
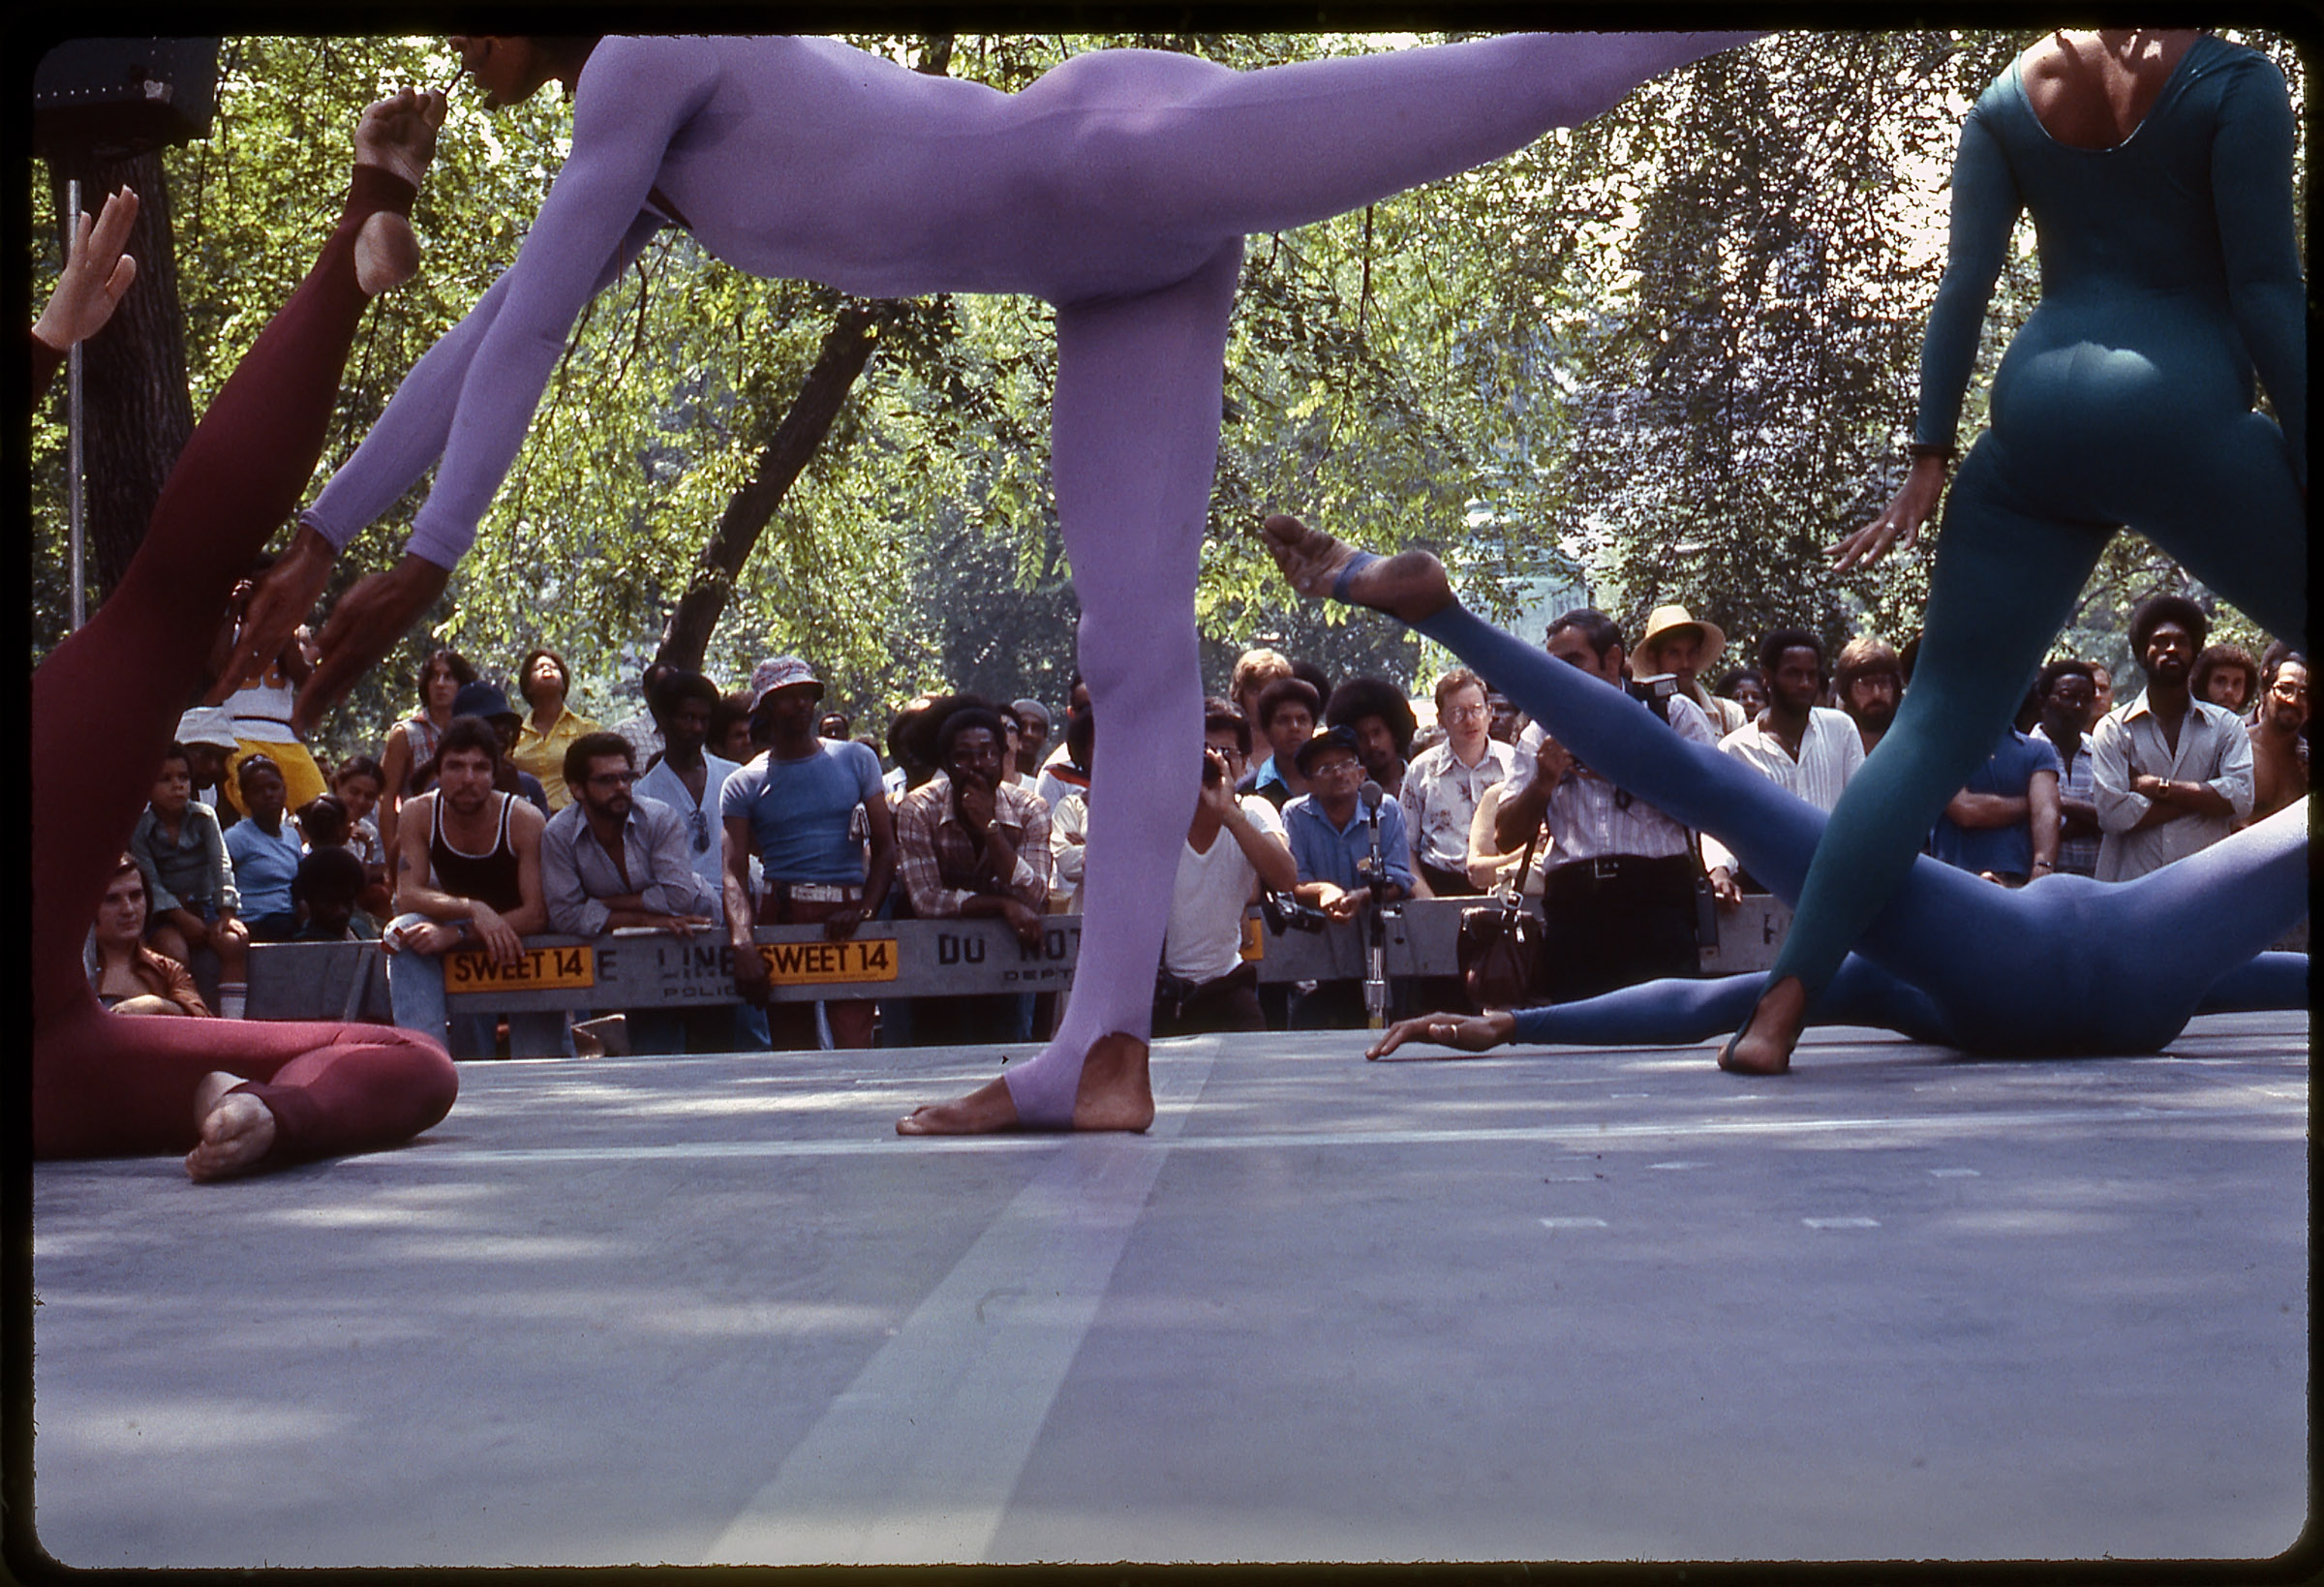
1619 901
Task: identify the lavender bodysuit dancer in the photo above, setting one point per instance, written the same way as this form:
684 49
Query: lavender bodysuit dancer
1118 188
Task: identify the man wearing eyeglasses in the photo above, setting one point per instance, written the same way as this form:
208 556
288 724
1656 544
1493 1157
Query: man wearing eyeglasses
1329 833
610 859
1442 785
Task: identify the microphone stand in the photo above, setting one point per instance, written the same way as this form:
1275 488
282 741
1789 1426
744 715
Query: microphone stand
1375 979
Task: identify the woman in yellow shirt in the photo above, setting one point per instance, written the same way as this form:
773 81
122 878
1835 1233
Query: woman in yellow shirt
544 680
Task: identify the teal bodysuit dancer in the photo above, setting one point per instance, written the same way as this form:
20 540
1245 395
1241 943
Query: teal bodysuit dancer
2168 271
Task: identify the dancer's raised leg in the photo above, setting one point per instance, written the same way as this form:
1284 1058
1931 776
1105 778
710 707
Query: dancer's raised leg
1139 384
1211 153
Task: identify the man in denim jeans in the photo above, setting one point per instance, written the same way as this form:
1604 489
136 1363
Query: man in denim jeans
467 876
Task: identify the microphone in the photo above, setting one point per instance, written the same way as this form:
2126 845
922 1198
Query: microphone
1372 796
1375 978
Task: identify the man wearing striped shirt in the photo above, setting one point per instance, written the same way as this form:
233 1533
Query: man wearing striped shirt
1619 895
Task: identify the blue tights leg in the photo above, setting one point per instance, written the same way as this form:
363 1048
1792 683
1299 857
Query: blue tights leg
2005 583
1672 1013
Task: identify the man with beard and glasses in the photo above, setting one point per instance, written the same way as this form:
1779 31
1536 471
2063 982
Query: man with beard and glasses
1869 682
611 860
467 876
2170 773
2278 750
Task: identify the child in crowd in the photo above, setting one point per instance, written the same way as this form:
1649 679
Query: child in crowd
327 894
266 850
192 904
358 784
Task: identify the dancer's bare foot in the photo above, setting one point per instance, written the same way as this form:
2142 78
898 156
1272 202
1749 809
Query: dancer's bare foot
1410 585
236 1130
1764 1046
397 135
1115 1093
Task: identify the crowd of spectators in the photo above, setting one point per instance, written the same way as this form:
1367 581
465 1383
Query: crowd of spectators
712 812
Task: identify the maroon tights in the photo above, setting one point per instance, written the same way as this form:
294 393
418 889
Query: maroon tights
106 704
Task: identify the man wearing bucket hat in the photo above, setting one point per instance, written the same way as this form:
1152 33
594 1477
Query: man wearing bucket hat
1678 646
792 808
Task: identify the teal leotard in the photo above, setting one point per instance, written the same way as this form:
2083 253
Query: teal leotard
2169 272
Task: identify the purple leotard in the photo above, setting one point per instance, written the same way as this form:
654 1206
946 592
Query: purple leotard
1118 187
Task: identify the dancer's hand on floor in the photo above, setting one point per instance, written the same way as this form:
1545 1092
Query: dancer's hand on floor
1469 1033
368 622
96 276
1899 524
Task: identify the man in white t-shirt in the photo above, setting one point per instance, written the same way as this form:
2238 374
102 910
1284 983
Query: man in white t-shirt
1234 845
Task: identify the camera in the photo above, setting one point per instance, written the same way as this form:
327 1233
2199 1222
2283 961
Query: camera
1654 692
1284 912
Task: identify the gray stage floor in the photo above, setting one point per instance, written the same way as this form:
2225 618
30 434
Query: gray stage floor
1597 1305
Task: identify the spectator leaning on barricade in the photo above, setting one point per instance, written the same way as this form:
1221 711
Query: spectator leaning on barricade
411 743
1677 645
2170 773
1442 785
2225 676
611 860
969 845
1330 832
1791 741
1235 845
1286 720
189 900
730 728
2003 824
2279 747
483 700
687 778
467 876
127 976
1618 899
266 850
1381 718
2067 696
793 807
1868 681
545 681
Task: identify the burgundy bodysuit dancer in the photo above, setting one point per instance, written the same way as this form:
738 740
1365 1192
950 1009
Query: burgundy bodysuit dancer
105 705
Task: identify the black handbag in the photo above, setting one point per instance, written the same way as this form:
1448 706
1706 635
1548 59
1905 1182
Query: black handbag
1501 946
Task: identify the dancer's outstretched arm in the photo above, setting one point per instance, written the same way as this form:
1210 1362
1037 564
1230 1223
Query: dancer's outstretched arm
96 277
1672 1013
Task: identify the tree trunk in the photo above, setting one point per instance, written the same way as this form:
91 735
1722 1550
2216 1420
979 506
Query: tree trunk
135 412
846 348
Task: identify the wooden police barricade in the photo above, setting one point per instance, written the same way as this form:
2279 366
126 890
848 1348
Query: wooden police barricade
637 968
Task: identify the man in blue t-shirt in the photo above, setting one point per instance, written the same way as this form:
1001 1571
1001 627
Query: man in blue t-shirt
2005 824
792 807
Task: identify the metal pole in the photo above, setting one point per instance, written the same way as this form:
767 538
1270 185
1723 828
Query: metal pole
73 464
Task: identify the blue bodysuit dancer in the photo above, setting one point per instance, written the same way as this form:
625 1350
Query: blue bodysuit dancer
1951 959
1118 187
2168 270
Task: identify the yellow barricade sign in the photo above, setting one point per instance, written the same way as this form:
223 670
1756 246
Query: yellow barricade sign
468 970
855 958
1254 942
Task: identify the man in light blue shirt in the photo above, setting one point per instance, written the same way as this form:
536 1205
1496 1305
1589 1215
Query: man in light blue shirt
1330 833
